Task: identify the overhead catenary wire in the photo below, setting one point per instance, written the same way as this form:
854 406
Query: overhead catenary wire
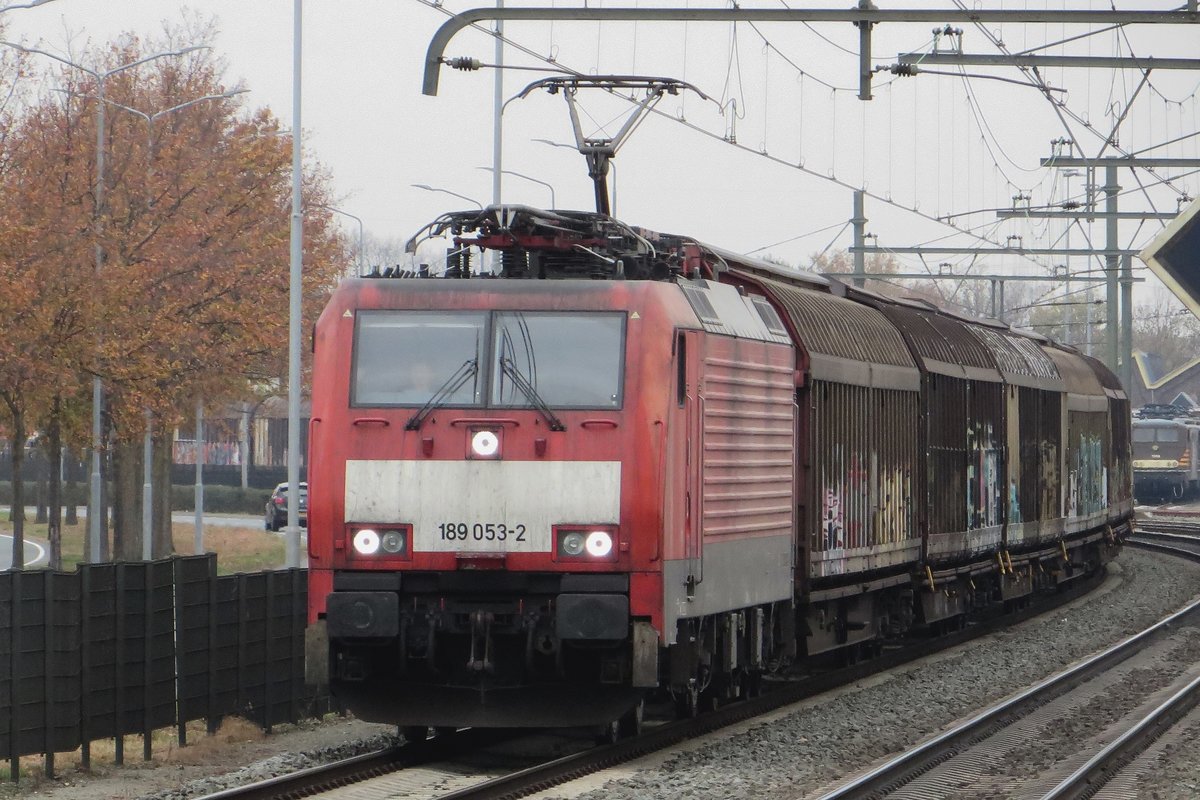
885 199
841 226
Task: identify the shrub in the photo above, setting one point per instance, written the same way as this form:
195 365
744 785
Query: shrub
217 499
221 499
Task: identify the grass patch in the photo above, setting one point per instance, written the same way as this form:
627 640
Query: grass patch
238 549
202 749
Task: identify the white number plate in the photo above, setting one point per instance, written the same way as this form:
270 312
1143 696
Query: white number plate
498 537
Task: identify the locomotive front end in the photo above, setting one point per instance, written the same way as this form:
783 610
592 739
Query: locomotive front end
1164 458
481 552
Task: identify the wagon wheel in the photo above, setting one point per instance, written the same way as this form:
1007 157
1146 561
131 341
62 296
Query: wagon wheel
687 702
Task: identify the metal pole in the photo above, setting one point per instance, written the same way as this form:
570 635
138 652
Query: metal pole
147 491
1127 322
498 127
1067 175
498 111
198 535
612 171
860 225
360 231
95 501
294 308
360 248
864 53
244 445
1110 267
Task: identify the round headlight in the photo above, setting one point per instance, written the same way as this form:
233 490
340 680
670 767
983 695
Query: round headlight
485 444
599 543
572 543
366 542
392 541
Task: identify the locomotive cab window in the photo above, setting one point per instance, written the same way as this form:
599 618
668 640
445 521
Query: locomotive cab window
564 360
405 358
1148 434
476 359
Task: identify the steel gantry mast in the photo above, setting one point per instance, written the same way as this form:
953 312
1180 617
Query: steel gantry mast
865 17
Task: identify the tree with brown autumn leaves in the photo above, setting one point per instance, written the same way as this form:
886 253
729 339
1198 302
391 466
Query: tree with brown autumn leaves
190 301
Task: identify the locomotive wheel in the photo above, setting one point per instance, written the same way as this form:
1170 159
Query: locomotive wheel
609 733
687 703
414 733
630 723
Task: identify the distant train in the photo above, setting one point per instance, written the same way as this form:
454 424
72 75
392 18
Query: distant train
621 462
1166 454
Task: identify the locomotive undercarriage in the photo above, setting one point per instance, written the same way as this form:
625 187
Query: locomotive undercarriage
724 656
1161 486
454 660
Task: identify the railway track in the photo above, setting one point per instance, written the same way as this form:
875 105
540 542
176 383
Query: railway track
1152 675
1167 536
350 771
430 769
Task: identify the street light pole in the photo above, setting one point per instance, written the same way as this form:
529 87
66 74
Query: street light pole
428 188
147 439
360 231
95 506
553 203
294 306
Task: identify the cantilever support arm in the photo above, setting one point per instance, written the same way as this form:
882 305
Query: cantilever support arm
435 55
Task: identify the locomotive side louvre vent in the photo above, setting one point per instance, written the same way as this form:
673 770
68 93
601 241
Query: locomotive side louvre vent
701 305
769 317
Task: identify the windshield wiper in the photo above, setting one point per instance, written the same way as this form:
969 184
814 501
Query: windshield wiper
468 370
531 394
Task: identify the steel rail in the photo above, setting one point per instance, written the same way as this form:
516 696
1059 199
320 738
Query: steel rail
908 765
1186 529
1116 754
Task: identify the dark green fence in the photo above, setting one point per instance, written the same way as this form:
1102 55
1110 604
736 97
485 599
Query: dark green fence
128 648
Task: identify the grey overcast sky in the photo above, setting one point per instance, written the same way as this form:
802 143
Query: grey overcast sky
769 160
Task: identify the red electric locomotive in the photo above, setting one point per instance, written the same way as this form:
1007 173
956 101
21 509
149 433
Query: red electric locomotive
619 461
